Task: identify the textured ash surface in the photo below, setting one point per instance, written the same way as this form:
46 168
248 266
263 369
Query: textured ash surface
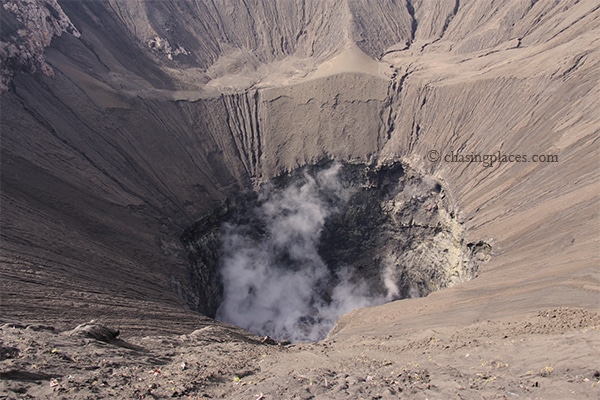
525 358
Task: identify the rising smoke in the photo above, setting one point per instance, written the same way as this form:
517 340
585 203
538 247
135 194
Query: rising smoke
274 280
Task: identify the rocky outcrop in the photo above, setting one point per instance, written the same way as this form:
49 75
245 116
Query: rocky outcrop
94 330
28 27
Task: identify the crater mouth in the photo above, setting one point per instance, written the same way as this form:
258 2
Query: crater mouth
288 259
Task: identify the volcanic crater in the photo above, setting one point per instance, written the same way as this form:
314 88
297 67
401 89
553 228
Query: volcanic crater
166 163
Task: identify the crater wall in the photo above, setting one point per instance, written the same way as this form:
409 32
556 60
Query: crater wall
106 162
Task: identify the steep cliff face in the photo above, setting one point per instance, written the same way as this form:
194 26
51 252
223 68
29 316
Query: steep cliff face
159 111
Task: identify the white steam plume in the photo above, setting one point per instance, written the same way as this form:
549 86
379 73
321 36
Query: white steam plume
276 285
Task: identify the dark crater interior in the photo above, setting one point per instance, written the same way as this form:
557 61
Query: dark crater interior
327 238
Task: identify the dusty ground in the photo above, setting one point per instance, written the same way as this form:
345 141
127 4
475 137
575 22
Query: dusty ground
528 358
